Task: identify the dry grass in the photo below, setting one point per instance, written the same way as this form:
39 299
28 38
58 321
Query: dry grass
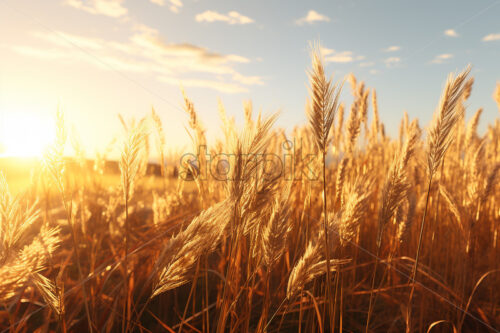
332 243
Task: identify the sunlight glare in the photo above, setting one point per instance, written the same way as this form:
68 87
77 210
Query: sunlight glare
25 134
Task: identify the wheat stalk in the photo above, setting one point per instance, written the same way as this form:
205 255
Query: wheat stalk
321 113
129 164
54 162
439 139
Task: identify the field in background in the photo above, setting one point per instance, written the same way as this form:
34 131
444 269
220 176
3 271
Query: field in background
336 227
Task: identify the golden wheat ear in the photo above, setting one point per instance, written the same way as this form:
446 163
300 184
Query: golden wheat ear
310 266
376 119
247 149
406 222
182 251
277 229
471 131
396 185
353 209
440 132
130 159
496 95
18 268
490 183
48 291
53 160
324 100
160 140
453 206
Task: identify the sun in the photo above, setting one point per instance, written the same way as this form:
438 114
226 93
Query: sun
25 134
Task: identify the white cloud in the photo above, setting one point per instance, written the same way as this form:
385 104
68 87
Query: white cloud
374 71
112 8
312 17
326 51
232 17
248 80
451 33
491 37
393 48
174 6
392 61
145 52
158 2
342 57
331 55
441 58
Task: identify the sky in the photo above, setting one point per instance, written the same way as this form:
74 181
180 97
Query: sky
96 59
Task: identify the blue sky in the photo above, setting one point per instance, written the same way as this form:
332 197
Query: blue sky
99 58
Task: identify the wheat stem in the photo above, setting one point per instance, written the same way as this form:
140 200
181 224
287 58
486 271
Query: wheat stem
417 257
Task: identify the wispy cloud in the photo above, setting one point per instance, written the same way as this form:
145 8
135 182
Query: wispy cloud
374 71
441 58
331 55
49 54
112 8
326 51
232 17
393 48
451 33
312 17
248 80
146 52
174 5
341 57
221 86
392 61
491 37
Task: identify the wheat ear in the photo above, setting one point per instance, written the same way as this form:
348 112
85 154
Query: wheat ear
496 95
440 132
182 251
310 266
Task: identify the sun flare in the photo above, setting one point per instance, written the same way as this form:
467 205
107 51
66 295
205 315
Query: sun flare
25 134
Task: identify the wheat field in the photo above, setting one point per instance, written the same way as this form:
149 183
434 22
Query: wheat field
331 227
